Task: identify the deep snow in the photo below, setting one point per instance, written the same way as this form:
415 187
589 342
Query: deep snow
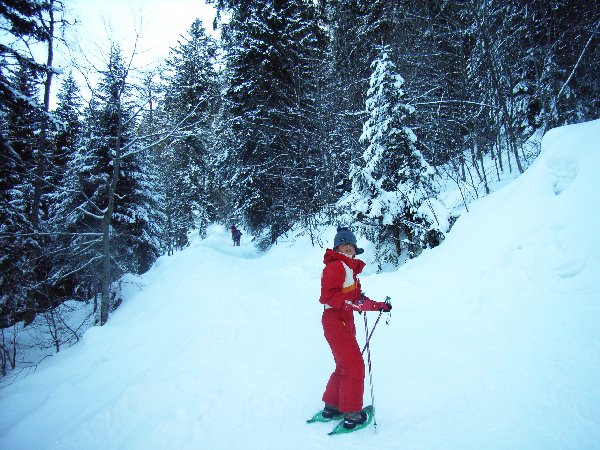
493 343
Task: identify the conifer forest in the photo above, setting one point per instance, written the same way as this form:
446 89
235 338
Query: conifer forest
302 113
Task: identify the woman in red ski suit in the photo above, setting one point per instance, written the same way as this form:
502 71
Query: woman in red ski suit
341 295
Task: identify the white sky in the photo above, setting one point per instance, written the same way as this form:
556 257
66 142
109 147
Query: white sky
159 23
99 23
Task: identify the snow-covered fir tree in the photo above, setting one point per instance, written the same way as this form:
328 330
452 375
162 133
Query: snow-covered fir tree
22 119
190 104
108 199
393 181
25 189
68 125
268 146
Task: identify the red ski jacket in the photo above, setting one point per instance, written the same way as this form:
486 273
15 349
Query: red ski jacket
339 281
340 287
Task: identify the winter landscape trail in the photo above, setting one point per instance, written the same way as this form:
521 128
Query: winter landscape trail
493 341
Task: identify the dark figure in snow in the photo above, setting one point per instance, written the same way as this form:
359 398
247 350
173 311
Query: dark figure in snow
341 296
236 235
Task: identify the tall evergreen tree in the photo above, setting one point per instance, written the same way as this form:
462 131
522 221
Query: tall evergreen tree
350 51
67 134
22 26
355 29
25 120
269 153
393 181
19 242
191 103
108 200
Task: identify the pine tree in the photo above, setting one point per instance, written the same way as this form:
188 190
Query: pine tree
350 52
107 204
356 28
394 180
26 190
19 241
191 103
23 24
269 153
67 135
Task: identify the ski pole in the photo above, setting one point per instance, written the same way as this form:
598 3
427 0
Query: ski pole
388 301
370 334
370 372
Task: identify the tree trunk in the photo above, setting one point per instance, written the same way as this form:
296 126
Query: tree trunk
106 225
42 141
479 160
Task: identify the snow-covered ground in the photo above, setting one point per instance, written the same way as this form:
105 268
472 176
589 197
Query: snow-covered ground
493 343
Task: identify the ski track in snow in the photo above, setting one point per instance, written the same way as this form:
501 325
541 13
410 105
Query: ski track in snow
492 343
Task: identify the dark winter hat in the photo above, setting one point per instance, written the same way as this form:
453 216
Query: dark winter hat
345 236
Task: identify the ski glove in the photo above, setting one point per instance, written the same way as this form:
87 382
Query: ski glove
382 306
385 307
366 304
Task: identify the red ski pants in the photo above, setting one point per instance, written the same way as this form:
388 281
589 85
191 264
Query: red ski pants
346 384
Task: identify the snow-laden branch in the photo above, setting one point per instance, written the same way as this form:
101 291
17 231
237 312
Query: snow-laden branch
77 269
89 214
51 233
99 210
466 102
170 133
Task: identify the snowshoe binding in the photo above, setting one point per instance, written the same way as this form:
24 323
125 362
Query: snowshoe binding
327 414
354 422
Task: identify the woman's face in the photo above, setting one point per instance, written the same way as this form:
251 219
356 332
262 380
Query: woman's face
347 249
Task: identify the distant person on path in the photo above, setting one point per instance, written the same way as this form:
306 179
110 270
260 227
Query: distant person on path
341 295
236 235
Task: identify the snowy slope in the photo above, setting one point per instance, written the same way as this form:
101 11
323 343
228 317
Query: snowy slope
493 342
